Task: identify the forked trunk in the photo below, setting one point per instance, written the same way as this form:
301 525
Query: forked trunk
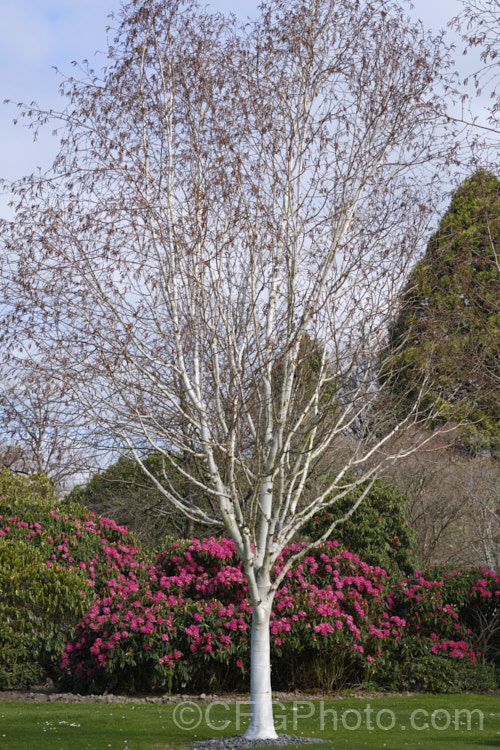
261 718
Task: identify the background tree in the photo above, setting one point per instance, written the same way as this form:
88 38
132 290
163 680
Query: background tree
222 194
449 324
125 493
482 484
454 506
41 429
378 532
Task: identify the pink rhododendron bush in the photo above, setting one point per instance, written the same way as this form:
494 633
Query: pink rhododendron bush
452 638
98 613
183 624
186 623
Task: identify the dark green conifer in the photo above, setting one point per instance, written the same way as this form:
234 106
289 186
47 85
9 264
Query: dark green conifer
448 329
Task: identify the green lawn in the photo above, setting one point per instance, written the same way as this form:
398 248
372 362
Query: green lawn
440 722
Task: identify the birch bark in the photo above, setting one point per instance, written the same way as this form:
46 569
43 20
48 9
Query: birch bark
261 722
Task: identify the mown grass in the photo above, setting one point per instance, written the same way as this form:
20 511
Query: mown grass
389 723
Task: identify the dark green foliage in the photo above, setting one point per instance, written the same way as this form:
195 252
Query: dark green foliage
449 326
378 531
312 362
433 674
124 492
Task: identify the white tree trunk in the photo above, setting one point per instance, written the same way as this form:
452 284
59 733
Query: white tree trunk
261 721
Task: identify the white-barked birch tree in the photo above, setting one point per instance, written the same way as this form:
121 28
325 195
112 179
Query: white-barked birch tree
228 203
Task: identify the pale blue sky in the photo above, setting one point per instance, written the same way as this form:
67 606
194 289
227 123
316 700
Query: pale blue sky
36 35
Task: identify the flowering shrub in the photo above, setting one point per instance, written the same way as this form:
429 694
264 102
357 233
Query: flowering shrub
450 613
52 560
335 620
133 620
189 621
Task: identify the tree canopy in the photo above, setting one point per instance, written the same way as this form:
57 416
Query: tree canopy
449 324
